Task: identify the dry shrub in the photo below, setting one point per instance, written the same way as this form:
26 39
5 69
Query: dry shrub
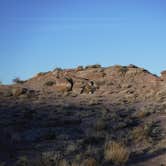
50 158
138 134
89 162
101 124
17 80
93 66
49 83
116 152
162 144
17 91
142 113
149 132
22 161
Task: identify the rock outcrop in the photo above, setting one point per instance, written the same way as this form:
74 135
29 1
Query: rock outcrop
129 82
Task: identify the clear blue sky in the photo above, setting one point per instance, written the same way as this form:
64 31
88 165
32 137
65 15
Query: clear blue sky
40 35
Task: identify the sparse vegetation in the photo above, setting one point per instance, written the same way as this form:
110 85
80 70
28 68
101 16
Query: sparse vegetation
80 68
17 91
148 132
89 162
123 69
101 124
143 113
111 122
51 158
42 74
116 152
58 69
23 161
93 66
49 83
139 134
17 80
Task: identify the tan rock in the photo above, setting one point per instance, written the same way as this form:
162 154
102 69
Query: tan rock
63 85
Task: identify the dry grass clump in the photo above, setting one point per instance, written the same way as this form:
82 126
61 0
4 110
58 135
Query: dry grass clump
89 162
116 153
149 132
22 161
44 161
51 158
143 113
162 143
139 134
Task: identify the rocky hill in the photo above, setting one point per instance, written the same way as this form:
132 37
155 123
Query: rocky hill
85 116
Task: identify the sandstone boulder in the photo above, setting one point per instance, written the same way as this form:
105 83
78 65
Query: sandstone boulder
63 85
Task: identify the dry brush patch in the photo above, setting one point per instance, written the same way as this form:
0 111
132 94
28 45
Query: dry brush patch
116 153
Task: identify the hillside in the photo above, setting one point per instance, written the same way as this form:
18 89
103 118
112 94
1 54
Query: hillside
85 116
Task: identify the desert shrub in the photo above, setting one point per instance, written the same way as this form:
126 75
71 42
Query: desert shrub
123 69
22 161
132 66
162 144
89 162
17 91
93 101
150 131
138 134
101 124
143 113
50 159
17 80
93 66
116 153
42 74
49 83
153 130
80 68
58 69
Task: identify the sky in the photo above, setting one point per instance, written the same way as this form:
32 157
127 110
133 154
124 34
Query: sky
40 35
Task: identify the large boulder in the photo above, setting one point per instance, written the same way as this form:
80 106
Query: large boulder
63 85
